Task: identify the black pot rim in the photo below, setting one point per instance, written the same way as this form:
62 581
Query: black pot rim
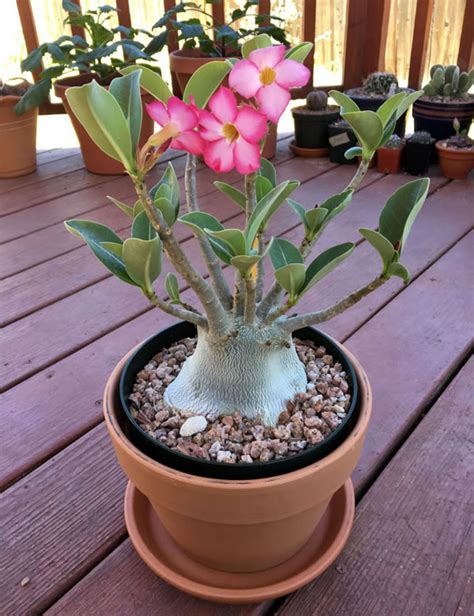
220 470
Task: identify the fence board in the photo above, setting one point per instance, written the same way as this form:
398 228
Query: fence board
421 32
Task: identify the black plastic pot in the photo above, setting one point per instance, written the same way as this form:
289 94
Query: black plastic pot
436 117
341 138
219 470
416 157
311 127
372 103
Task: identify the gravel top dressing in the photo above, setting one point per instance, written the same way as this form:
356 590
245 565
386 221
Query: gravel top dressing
309 418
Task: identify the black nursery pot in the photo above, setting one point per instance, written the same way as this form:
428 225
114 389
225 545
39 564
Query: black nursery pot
311 127
341 138
220 470
416 157
372 103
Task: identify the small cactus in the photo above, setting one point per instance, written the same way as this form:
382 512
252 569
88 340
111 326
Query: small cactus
449 82
317 100
395 142
381 84
421 136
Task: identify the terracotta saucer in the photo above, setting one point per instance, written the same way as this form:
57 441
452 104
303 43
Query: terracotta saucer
172 564
308 152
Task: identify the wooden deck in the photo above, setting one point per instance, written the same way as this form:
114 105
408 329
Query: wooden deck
66 322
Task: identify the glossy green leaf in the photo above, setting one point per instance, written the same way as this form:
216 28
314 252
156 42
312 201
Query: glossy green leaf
267 170
389 107
137 208
205 81
345 103
126 209
198 221
409 100
291 278
325 263
263 187
381 245
96 235
141 227
367 127
172 288
397 269
298 208
300 52
400 211
353 152
282 252
168 211
126 91
34 96
244 263
114 247
142 259
236 195
336 204
234 239
150 81
314 220
170 180
257 42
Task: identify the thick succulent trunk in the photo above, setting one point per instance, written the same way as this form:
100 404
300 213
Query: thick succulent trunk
254 371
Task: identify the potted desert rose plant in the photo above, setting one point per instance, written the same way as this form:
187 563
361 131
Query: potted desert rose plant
239 426
389 157
311 125
74 60
456 154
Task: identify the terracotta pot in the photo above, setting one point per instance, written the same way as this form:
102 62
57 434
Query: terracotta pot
239 525
184 62
17 139
95 160
456 163
389 160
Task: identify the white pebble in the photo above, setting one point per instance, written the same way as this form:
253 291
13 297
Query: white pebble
193 425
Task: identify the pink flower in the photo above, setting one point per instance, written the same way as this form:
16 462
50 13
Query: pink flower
267 76
232 133
179 120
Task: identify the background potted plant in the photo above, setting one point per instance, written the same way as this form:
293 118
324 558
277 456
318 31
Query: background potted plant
417 153
376 89
95 57
217 421
17 133
456 154
311 125
446 97
389 157
341 138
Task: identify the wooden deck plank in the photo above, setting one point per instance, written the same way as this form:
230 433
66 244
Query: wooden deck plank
394 406
412 546
25 444
47 156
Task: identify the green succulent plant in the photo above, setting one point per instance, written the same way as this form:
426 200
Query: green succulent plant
421 136
449 82
395 142
381 84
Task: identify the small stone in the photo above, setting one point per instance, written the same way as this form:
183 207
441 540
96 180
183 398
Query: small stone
284 417
162 416
246 458
227 420
25 581
322 388
193 425
327 359
225 456
313 435
282 433
215 448
172 422
266 455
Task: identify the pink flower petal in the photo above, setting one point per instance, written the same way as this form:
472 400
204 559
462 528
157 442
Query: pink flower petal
219 155
246 156
210 126
245 78
157 111
272 101
251 124
267 56
190 141
223 105
181 114
291 74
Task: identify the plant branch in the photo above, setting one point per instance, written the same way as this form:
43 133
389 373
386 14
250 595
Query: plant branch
250 303
313 318
178 311
210 258
260 267
359 175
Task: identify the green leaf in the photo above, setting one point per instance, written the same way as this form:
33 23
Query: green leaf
198 221
257 42
150 81
381 245
267 170
101 116
244 263
263 187
172 288
126 91
266 208
397 269
205 81
137 208
169 180
126 209
95 235
400 211
353 152
389 107
141 227
117 249
291 278
168 211
34 96
234 239
368 128
299 52
299 209
282 252
336 204
314 220
345 103
409 100
325 263
236 195
142 259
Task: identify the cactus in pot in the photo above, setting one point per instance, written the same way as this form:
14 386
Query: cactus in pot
389 157
311 124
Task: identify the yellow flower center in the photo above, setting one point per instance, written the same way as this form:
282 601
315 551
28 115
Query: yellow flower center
230 132
267 76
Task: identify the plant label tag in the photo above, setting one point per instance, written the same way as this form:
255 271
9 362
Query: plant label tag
339 139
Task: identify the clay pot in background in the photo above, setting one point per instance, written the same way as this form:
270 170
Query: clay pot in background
17 139
389 160
456 163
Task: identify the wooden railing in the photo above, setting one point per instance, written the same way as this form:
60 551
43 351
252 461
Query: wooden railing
366 37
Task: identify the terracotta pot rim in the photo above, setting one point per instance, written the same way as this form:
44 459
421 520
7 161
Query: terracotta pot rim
365 397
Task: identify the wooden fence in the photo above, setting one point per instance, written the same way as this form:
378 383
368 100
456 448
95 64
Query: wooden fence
368 33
